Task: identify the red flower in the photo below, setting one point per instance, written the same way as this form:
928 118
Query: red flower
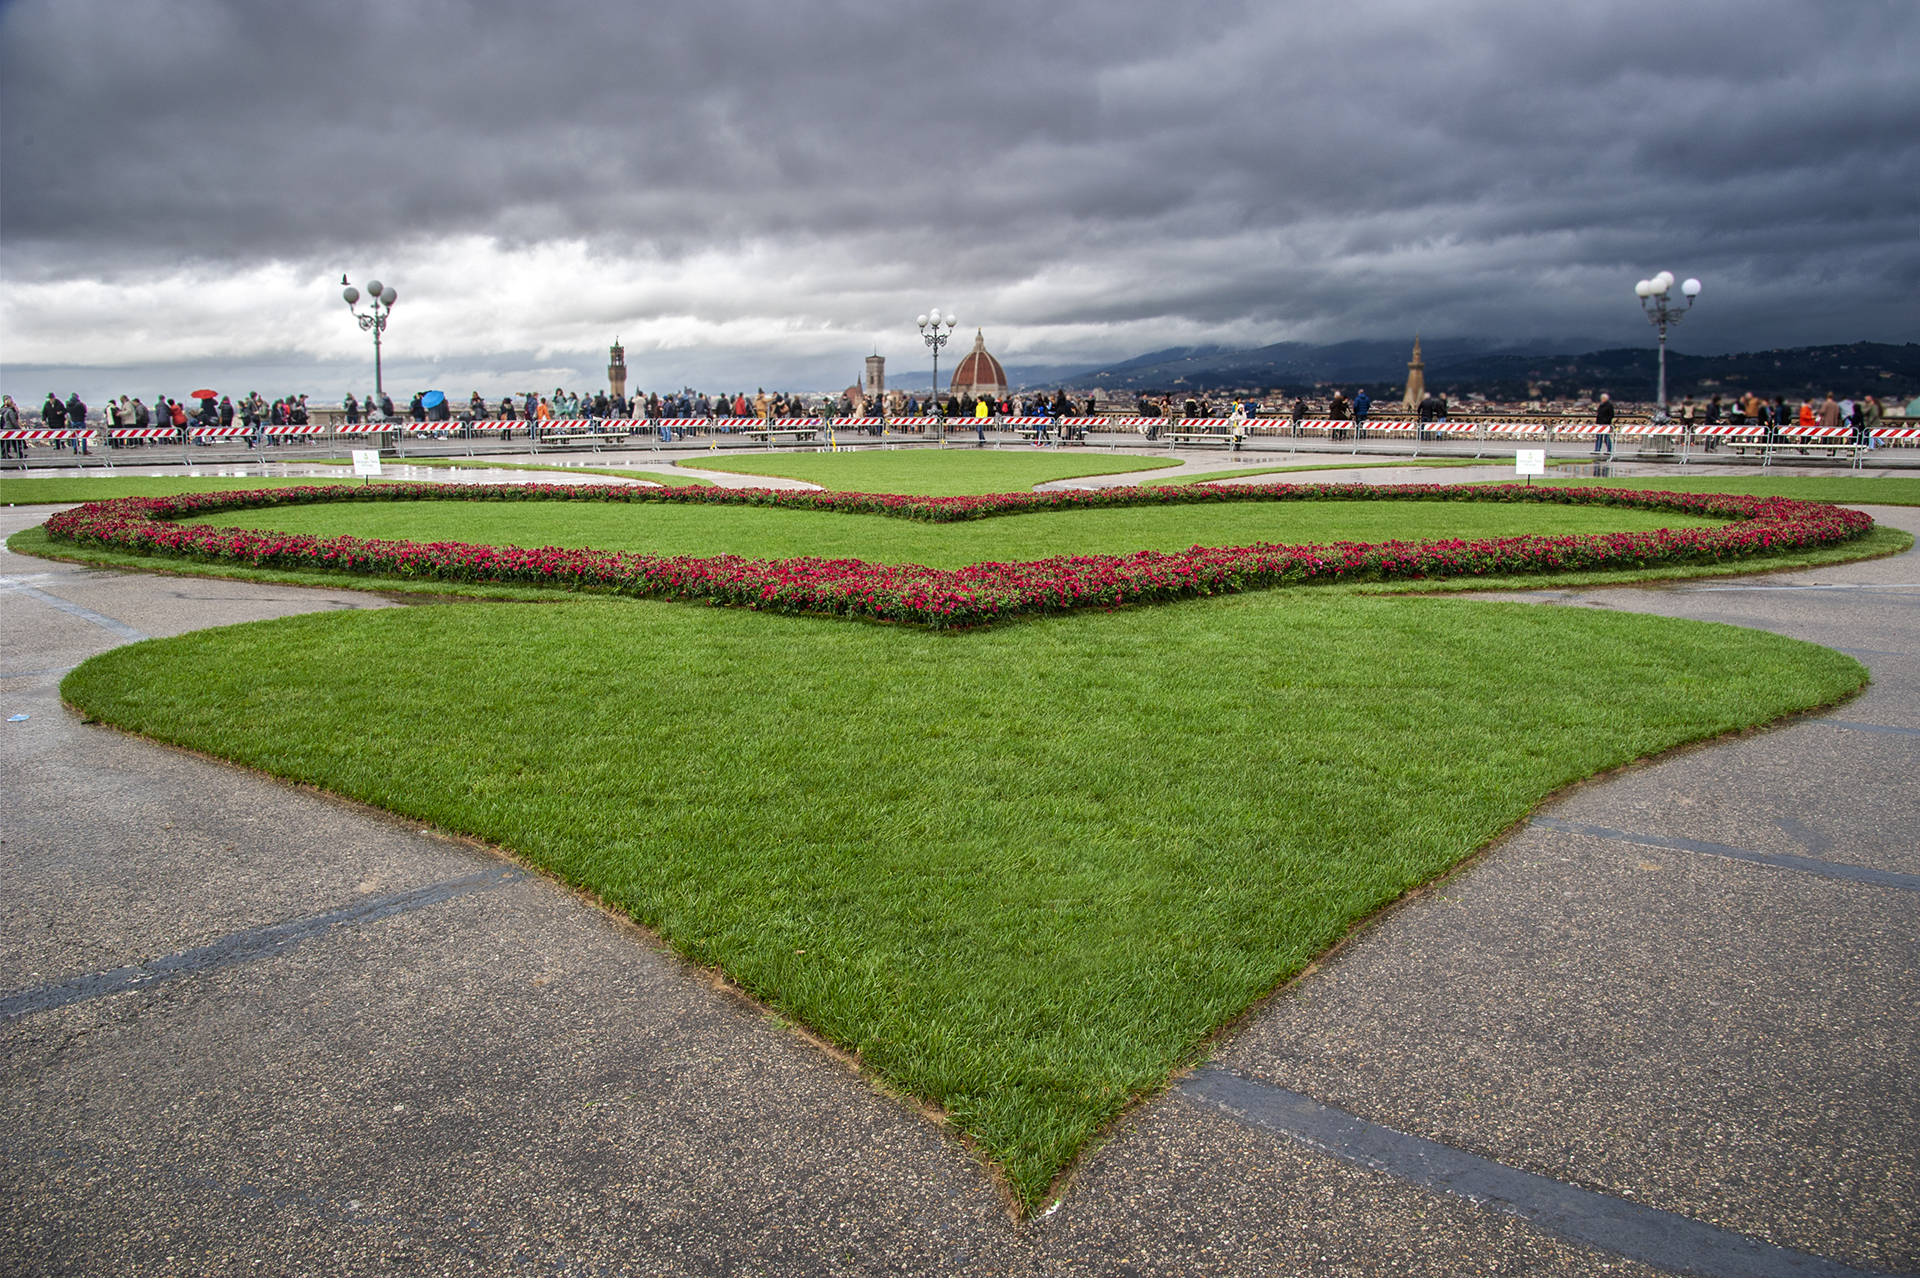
975 594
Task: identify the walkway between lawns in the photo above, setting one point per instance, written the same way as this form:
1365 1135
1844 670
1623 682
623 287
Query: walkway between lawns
249 1026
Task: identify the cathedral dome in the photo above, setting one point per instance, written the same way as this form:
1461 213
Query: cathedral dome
978 373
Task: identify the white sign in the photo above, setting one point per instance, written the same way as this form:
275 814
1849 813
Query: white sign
1526 461
366 461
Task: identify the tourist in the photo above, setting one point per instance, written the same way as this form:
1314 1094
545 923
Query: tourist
10 421
1360 406
77 420
1339 409
1603 418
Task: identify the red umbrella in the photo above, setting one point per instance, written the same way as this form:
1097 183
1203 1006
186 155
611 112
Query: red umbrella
203 394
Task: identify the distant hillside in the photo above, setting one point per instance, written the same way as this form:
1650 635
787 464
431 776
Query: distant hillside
1861 368
1468 366
1293 364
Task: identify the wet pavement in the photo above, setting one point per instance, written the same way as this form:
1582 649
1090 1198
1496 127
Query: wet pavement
379 1049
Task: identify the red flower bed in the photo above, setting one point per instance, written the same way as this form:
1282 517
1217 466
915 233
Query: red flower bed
967 596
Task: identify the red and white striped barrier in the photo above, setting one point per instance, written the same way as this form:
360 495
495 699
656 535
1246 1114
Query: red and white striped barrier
294 428
1816 432
1649 429
1731 432
364 428
145 432
42 435
219 432
1896 432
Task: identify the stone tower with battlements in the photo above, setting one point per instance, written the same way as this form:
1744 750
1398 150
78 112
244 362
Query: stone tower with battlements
617 369
875 385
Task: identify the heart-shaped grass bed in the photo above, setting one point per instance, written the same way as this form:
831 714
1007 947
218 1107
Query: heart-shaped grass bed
979 592
1023 870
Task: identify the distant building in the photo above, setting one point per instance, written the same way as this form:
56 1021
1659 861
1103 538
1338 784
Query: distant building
1416 377
978 373
617 368
875 385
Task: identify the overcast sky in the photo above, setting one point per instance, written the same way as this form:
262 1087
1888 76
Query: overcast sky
750 192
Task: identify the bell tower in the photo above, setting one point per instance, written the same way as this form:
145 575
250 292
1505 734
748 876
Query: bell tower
875 386
617 369
1416 378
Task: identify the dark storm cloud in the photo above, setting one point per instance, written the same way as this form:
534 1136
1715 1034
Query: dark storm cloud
1334 170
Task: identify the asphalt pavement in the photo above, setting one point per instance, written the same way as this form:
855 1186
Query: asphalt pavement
1669 1027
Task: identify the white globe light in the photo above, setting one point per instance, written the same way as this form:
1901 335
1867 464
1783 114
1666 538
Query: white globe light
373 288
1691 288
934 315
952 320
1663 281
1644 288
388 296
922 321
351 294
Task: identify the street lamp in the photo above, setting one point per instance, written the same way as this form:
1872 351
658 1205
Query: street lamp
935 332
1654 295
381 299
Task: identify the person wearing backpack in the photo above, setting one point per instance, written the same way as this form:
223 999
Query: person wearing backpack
77 420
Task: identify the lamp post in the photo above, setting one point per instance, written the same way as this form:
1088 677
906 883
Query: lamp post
1654 295
381 298
936 332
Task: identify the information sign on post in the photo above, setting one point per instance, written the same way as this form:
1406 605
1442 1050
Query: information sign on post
1530 462
366 461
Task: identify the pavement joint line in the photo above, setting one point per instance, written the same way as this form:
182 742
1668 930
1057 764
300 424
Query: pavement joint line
1872 727
242 947
1779 860
1721 590
67 606
1661 1238
27 674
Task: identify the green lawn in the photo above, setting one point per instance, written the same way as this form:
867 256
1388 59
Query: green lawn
760 532
1209 477
1024 871
33 492
1858 490
929 472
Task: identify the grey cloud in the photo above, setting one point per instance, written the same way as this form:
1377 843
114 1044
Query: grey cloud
1327 171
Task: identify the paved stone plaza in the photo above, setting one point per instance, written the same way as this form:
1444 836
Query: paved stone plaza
1689 990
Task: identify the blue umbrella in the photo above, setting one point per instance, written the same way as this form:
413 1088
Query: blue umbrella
432 399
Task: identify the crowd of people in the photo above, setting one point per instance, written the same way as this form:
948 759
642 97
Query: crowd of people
256 415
